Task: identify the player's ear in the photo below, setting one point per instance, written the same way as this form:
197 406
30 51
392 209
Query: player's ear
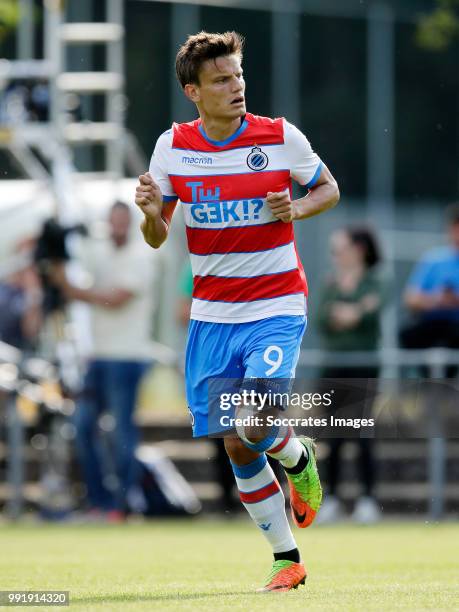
192 92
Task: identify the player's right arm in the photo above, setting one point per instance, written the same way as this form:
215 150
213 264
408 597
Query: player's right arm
158 215
155 195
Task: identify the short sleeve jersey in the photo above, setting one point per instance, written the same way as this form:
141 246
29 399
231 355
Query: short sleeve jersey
244 261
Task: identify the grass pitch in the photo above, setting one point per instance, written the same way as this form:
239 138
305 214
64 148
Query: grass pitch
213 565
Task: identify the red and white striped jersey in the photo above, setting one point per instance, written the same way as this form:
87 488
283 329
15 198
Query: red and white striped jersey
244 261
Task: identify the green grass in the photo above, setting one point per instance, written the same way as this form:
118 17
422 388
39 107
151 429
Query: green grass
205 565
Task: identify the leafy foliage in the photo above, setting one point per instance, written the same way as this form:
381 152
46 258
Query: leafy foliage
438 30
9 16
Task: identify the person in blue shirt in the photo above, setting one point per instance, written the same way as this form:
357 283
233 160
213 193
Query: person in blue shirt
432 295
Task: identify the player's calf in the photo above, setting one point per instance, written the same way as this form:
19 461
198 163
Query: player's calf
263 499
297 456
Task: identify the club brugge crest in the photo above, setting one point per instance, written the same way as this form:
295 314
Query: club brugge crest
257 160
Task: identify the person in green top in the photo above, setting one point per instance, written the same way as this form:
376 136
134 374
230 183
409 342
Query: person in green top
185 291
349 320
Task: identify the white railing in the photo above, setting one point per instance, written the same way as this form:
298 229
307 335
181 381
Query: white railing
13 368
390 363
435 359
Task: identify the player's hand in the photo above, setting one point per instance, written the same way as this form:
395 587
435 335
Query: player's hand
148 196
281 206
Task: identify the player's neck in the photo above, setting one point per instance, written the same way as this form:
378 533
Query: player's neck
218 129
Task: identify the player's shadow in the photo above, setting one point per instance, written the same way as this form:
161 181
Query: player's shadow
122 597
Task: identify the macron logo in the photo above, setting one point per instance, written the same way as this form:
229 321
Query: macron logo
200 161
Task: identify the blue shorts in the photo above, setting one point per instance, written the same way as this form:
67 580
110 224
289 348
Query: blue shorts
268 348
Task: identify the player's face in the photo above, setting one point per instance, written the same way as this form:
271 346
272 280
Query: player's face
220 93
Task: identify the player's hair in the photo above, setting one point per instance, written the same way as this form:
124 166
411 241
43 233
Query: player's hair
201 47
452 213
365 238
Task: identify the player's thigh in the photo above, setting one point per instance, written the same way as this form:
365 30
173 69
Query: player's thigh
210 354
273 348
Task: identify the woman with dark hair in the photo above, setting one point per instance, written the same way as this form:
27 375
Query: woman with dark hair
349 320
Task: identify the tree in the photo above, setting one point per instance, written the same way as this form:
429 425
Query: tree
438 30
9 16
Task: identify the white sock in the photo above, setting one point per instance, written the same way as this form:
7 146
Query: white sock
285 447
263 499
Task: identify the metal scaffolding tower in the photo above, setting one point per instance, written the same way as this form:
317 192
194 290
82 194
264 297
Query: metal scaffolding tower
54 140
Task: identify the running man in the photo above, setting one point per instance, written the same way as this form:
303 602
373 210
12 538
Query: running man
232 172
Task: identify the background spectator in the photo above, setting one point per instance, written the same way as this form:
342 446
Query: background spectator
20 300
349 320
121 300
432 296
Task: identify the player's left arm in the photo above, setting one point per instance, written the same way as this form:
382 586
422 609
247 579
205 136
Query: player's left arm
307 169
322 196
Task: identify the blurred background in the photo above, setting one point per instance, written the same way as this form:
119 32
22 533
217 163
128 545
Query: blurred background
86 88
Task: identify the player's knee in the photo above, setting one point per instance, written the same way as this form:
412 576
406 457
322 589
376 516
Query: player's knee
238 452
